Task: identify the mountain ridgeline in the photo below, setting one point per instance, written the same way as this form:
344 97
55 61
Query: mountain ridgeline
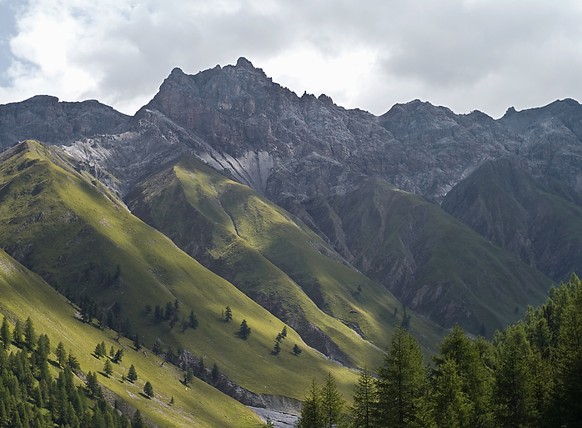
338 226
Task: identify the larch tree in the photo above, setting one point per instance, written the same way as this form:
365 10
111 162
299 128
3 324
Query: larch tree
364 400
331 401
401 383
311 414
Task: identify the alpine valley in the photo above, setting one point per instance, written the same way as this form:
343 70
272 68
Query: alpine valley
228 200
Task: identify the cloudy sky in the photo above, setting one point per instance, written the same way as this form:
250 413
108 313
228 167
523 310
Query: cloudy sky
465 54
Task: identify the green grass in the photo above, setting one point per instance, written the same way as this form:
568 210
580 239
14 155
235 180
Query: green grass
199 405
70 225
272 257
454 275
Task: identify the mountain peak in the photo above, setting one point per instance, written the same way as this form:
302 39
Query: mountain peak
242 62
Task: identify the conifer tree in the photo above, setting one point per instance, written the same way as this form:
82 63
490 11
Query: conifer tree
474 373
296 350
148 389
108 368
118 356
215 372
137 342
401 383
188 376
29 334
61 354
227 314
244 330
17 333
5 334
132 374
331 403
452 407
137 420
277 348
513 380
192 320
311 415
364 401
99 350
93 386
568 370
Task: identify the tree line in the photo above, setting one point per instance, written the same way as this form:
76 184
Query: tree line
528 375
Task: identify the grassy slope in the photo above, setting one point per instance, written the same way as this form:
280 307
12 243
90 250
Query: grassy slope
271 256
454 274
24 294
57 222
512 209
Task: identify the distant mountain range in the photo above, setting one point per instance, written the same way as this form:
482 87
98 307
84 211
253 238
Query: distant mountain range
336 223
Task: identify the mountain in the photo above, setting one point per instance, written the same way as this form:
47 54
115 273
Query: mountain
80 239
271 256
513 209
310 156
228 189
45 118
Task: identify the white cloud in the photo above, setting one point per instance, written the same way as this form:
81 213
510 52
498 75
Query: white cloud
463 54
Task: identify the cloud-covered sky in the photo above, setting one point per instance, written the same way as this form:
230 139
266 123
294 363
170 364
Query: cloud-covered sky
465 54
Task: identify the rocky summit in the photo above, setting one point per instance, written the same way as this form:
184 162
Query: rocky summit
451 213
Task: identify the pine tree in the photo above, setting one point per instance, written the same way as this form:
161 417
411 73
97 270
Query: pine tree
61 354
137 342
311 415
93 387
29 334
244 330
513 379
188 376
108 368
5 334
474 372
215 372
364 400
99 350
401 382
331 403
192 320
148 389
17 333
452 407
137 420
227 314
118 356
132 374
568 367
296 350
277 347
73 363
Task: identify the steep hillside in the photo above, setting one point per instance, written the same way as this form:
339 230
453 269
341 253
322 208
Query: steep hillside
430 261
273 258
88 246
24 295
509 207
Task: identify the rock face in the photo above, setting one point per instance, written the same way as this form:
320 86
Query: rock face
45 118
312 157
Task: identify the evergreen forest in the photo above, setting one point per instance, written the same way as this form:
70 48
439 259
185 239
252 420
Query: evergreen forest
528 375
